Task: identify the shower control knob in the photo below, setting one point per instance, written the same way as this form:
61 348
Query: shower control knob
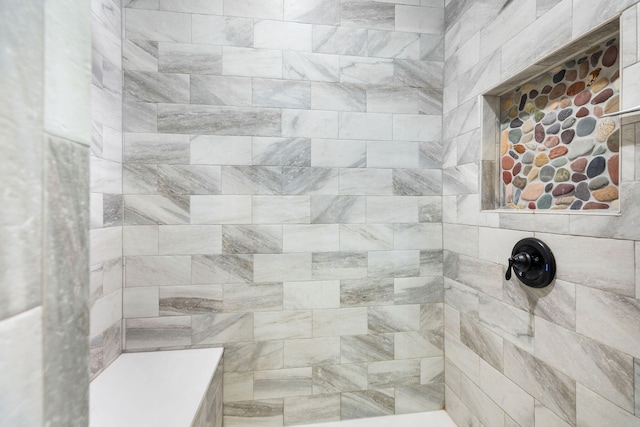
533 262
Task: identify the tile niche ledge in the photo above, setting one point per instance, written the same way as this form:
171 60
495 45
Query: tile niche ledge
491 104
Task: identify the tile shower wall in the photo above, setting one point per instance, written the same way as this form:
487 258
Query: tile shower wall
562 356
44 217
282 181
106 184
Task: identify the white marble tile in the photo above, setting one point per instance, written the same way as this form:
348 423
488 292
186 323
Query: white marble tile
354 69
312 11
462 239
213 7
281 94
508 322
281 209
547 418
157 270
282 35
464 359
398 318
22 368
593 410
339 40
337 96
427 20
221 90
396 154
262 9
106 244
140 240
221 150
394 263
390 99
424 236
373 182
371 126
140 302
514 401
105 312
321 408
311 238
355 13
190 239
157 26
366 237
410 127
282 267
310 66
221 209
311 352
395 209
338 153
310 124
222 30
238 386
282 325
242 61
388 44
311 295
342 321
495 244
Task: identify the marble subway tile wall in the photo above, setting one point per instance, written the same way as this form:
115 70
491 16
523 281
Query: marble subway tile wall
564 355
282 198
44 283
106 199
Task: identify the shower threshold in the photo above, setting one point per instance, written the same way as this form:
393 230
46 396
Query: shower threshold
421 419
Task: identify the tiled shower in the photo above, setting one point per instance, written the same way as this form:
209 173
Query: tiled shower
298 181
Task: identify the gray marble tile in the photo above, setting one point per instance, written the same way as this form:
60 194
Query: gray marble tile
157 26
430 209
419 398
636 382
312 352
310 123
221 90
485 343
592 364
66 280
282 151
248 62
399 318
556 303
367 348
281 94
418 290
252 297
189 58
430 101
431 47
422 74
337 209
339 40
282 383
112 210
297 180
252 356
508 322
423 236
464 269
481 405
139 179
263 9
156 87
222 268
366 237
282 35
432 370
198 6
221 328
190 300
252 239
189 179
338 96
369 181
311 409
312 11
355 13
281 209
142 209
392 209
204 119
180 239
222 30
267 413
417 182
310 66
339 378
517 404
388 44
339 265
368 403
157 333
554 389
338 322
463 298
458 411
432 327
366 292
251 180
156 148
139 116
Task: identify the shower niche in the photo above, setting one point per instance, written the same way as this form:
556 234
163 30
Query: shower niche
551 134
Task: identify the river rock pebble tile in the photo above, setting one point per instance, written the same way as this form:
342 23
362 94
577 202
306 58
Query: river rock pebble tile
571 156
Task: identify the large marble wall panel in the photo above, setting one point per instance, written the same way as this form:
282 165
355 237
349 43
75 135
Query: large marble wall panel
562 355
281 198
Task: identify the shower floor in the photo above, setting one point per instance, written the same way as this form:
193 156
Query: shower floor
422 419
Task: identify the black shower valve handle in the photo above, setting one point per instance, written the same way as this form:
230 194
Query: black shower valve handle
522 261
